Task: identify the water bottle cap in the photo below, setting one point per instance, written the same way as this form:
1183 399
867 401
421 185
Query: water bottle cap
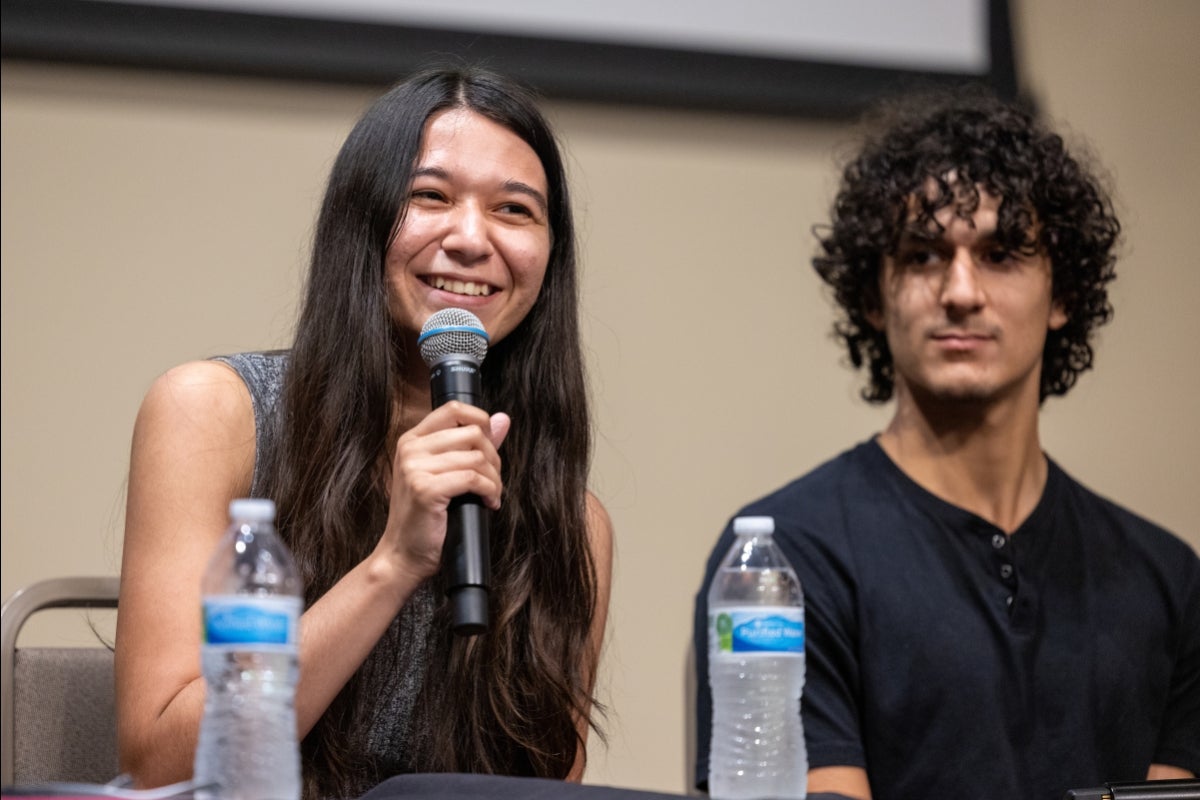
754 526
252 509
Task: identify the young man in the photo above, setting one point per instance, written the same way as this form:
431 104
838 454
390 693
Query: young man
979 624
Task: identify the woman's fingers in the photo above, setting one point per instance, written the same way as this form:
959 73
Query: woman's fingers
501 423
452 448
454 414
437 490
449 453
434 478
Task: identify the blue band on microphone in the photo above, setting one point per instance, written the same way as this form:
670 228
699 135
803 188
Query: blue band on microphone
453 329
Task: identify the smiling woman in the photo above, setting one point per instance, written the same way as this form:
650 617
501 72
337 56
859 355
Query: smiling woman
449 192
475 232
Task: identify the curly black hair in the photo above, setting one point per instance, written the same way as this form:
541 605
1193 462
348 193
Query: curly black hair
1050 203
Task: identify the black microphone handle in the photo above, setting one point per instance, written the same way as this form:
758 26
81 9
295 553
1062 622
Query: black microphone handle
1171 789
466 555
466 560
455 378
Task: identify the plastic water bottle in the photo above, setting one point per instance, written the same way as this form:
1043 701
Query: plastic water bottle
756 670
251 608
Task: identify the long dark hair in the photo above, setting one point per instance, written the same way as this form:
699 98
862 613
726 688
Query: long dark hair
507 701
1001 146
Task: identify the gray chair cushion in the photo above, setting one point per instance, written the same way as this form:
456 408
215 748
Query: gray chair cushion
64 711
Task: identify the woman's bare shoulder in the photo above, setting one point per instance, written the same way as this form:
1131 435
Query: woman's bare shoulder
201 394
600 536
198 413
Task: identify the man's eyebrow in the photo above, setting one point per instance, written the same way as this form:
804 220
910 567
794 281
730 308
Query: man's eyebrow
915 235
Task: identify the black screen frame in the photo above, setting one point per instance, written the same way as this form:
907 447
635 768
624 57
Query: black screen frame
353 52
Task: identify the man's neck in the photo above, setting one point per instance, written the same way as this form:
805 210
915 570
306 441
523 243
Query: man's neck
984 457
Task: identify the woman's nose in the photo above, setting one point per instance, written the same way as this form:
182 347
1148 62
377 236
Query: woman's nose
467 235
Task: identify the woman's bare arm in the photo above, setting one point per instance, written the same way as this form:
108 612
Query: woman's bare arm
193 451
600 535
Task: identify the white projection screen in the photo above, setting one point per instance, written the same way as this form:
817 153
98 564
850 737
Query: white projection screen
796 57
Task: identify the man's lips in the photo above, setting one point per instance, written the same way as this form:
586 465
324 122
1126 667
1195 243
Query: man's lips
961 340
962 336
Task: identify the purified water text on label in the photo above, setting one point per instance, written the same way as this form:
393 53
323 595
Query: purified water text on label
758 629
244 619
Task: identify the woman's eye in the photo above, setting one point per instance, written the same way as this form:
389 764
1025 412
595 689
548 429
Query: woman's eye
426 194
516 208
998 256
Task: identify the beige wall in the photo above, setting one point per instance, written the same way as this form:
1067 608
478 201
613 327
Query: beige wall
150 219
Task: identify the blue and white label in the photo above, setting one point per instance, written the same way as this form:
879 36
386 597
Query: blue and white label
244 619
758 629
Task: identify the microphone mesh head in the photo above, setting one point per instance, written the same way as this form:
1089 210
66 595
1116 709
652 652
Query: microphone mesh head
452 331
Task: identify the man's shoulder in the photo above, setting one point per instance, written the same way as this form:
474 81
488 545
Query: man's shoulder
852 465
817 498
1106 517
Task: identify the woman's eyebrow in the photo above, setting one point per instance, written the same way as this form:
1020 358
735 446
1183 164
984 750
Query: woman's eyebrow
525 189
432 172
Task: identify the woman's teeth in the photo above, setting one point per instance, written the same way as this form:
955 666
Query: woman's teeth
463 287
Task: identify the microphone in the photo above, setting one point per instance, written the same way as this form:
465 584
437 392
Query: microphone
453 344
1171 789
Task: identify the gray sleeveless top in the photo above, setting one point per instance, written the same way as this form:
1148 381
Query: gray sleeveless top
382 739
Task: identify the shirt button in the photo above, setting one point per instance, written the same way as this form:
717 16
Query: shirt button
1008 600
1006 571
998 540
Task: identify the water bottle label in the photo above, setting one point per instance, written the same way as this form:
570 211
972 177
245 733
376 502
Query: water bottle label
755 629
242 619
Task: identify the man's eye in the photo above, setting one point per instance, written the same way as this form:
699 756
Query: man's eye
998 256
918 257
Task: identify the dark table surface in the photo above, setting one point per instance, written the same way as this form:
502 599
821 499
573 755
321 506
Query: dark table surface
491 787
401 787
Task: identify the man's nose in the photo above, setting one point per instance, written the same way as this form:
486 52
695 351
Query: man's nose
962 290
